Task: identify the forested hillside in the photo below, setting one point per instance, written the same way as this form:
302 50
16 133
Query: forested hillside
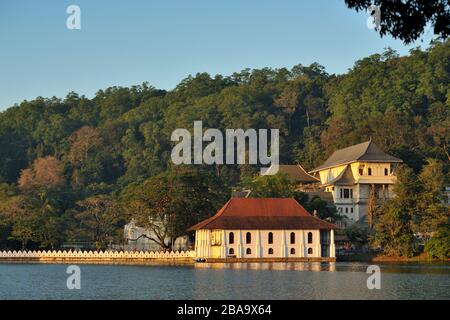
76 169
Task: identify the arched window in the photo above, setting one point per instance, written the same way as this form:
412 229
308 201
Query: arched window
248 238
270 251
292 251
231 251
310 237
369 171
292 237
248 251
270 238
310 251
231 238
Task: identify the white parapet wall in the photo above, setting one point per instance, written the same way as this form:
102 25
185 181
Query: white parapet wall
96 256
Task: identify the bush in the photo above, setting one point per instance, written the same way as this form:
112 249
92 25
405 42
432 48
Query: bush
439 245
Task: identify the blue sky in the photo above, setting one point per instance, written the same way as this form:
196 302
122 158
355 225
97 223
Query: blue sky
128 42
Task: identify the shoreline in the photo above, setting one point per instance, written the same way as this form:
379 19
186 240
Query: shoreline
370 257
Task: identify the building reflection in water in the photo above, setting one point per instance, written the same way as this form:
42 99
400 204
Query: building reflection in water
275 266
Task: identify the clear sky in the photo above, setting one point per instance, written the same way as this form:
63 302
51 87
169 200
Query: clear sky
122 43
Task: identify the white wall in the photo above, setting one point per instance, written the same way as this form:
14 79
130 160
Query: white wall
259 246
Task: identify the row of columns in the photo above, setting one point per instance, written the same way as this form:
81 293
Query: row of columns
203 245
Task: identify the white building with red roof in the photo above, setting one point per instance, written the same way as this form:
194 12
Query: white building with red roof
258 229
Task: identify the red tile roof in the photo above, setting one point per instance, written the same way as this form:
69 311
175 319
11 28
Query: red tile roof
262 213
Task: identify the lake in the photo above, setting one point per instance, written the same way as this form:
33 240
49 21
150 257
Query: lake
340 280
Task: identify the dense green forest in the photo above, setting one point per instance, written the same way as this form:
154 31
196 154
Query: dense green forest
76 169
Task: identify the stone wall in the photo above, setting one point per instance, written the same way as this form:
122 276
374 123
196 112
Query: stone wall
96 256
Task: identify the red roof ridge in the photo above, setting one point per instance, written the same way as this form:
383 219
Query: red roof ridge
277 210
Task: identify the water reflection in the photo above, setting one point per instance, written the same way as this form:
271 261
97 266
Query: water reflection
271 266
407 267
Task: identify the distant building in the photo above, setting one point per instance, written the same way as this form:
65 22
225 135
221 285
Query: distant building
352 173
137 238
264 228
297 175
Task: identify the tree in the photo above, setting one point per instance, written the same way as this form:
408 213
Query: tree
407 20
169 203
439 244
393 227
100 219
270 186
372 206
83 146
432 213
47 173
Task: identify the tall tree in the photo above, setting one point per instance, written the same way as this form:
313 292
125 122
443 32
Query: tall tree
407 20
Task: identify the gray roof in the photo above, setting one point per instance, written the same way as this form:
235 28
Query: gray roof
366 151
345 178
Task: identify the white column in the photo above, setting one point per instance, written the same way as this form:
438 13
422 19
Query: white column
208 243
332 247
318 251
196 244
202 244
258 244
239 244
224 244
301 251
283 244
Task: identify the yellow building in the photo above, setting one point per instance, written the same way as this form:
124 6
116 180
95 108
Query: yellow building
264 229
352 174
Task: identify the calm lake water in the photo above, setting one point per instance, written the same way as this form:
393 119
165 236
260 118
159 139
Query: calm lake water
226 281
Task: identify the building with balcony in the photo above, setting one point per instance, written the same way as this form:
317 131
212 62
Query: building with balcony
356 173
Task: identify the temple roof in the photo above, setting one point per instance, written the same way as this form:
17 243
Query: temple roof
345 178
366 151
263 214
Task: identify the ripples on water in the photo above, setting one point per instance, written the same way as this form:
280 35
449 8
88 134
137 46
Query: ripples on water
226 281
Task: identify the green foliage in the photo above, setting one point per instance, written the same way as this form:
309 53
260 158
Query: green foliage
357 233
407 20
270 186
439 244
171 202
107 145
416 210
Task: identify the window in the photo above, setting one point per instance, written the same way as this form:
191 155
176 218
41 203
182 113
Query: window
248 251
346 210
369 171
341 193
248 238
310 251
346 193
361 171
310 237
292 251
351 210
231 238
270 238
270 251
292 238
386 171
231 251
